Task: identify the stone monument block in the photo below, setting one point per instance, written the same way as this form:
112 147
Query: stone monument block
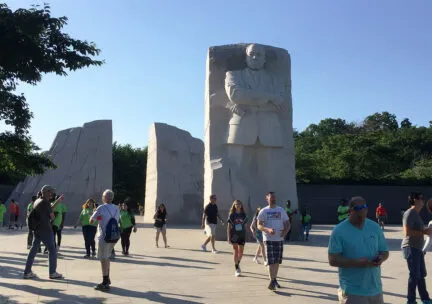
175 169
249 145
83 156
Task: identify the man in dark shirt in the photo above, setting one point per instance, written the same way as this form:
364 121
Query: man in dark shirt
43 232
209 222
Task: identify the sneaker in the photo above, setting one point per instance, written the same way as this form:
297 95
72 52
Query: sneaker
276 284
204 248
87 256
93 254
271 286
55 275
256 260
126 253
102 287
237 273
29 275
214 251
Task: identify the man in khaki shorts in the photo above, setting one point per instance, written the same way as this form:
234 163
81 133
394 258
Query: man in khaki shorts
358 248
103 214
209 222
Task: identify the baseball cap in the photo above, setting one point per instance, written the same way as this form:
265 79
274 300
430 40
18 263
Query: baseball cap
47 188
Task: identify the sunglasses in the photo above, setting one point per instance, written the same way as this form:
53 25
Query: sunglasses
360 207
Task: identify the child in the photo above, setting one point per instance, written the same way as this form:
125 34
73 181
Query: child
259 237
306 222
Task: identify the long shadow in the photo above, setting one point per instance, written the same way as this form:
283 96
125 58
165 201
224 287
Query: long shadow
199 250
303 260
52 293
311 269
17 261
173 258
152 263
150 295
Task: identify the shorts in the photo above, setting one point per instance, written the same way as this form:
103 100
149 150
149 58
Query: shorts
161 229
210 229
239 240
104 250
381 218
259 236
274 251
355 299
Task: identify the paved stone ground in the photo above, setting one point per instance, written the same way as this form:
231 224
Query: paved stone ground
183 273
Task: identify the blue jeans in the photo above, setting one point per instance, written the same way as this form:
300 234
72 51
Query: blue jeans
417 274
52 253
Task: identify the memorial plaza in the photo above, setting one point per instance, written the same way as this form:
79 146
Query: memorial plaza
185 274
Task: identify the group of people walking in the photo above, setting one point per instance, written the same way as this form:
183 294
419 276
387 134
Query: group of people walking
357 245
270 226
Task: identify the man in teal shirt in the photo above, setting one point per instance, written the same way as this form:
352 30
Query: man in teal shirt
358 248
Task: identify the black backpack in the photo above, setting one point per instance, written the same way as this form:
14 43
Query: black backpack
112 230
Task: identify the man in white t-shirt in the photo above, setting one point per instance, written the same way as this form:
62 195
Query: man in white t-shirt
274 223
103 214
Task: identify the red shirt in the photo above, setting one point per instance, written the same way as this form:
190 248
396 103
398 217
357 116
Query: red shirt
13 208
381 211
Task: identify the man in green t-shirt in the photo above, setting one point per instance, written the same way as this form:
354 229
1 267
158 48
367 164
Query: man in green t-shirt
342 210
2 212
59 210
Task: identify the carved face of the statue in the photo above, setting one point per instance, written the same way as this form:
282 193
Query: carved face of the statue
255 57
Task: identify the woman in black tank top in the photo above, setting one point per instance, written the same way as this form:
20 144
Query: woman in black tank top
160 218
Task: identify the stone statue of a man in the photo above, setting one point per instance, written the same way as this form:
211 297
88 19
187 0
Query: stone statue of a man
256 101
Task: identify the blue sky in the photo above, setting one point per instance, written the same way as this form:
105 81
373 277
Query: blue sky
349 59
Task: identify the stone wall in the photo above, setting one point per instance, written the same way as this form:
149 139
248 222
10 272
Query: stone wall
83 156
323 200
175 170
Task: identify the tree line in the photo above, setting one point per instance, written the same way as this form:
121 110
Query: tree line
376 151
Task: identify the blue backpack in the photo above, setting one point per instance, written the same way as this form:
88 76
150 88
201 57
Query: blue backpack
112 230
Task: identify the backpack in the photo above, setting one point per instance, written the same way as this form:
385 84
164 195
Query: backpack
112 230
33 220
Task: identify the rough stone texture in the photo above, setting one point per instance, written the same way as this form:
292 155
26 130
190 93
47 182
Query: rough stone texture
83 156
175 169
269 164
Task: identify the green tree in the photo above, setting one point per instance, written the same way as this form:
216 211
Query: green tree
380 121
376 152
406 123
129 174
31 44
